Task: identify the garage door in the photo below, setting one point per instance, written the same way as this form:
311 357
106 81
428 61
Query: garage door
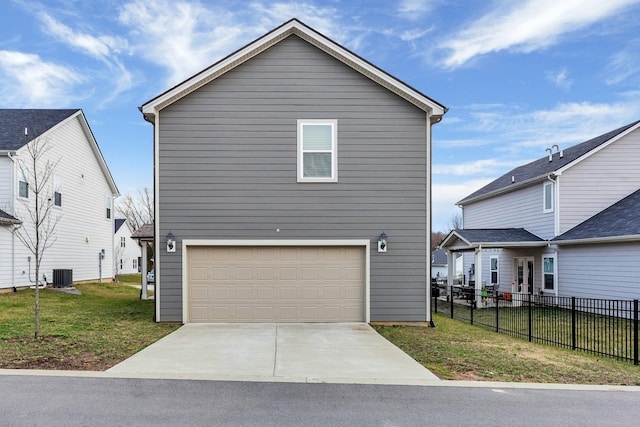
276 284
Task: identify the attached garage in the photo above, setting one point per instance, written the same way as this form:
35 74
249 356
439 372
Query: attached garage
309 282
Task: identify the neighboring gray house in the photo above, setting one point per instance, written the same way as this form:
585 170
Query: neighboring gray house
292 185
439 268
566 224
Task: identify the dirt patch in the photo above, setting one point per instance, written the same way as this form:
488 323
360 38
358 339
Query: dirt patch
27 354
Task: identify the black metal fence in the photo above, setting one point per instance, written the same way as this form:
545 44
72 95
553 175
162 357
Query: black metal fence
598 326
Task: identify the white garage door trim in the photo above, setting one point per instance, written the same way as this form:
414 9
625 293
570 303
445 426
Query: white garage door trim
206 242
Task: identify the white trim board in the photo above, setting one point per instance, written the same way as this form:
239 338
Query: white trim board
366 244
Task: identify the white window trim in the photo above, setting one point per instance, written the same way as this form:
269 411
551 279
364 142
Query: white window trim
109 207
555 273
491 258
187 243
24 177
334 150
57 189
544 197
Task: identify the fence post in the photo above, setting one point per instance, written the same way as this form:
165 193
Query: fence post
635 331
451 299
497 311
530 315
471 307
573 323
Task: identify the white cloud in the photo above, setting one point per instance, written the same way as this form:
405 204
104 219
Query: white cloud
100 47
185 37
525 26
28 81
180 36
322 19
624 66
486 167
103 48
444 197
415 9
559 78
516 138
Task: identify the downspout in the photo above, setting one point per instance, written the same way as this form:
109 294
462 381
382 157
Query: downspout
429 221
13 232
556 207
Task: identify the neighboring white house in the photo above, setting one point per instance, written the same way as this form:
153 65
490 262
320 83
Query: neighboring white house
565 224
127 252
81 192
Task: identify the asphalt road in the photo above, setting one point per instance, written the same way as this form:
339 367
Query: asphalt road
73 401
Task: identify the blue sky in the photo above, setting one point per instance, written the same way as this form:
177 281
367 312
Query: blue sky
517 76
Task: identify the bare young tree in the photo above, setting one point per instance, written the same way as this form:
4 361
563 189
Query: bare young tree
137 209
37 231
455 221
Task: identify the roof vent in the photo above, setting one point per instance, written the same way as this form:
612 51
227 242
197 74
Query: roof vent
549 150
513 179
558 150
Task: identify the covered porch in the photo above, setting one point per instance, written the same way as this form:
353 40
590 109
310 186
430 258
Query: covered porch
509 262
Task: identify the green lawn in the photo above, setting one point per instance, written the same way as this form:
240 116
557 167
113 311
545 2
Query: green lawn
455 350
92 331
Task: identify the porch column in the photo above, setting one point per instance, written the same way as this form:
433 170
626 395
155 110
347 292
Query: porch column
451 269
478 277
143 291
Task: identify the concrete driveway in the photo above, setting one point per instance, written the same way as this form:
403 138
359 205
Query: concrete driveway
287 352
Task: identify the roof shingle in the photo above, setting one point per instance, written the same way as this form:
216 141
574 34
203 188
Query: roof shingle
619 219
542 166
14 121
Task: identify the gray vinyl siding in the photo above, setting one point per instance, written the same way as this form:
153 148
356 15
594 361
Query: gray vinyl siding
609 271
518 209
227 170
599 181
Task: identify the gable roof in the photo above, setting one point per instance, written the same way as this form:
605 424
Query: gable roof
146 231
294 27
5 218
619 222
541 168
491 238
40 121
14 121
439 257
118 223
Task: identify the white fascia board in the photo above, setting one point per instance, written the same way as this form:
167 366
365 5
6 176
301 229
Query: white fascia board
97 153
596 240
452 234
263 43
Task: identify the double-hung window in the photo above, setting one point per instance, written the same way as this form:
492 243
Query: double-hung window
23 184
108 205
549 273
493 263
317 150
57 192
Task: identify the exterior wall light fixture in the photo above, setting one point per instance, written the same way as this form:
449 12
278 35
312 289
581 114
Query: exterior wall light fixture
382 242
171 242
